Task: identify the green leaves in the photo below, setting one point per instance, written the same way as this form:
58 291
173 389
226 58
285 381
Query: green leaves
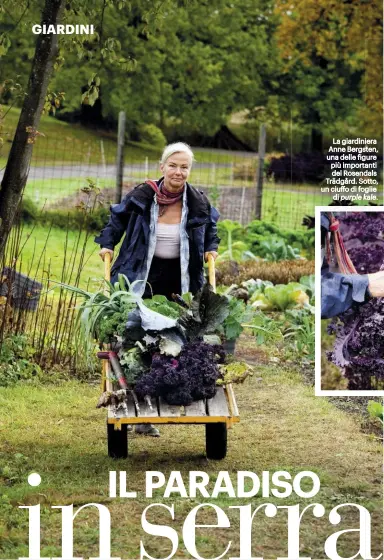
232 328
280 297
230 249
162 305
92 93
376 410
275 249
5 43
132 364
265 329
94 318
208 311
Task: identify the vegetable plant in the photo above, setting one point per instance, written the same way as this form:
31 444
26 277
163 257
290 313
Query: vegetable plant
359 345
280 297
275 249
376 410
189 377
301 331
265 329
166 349
230 249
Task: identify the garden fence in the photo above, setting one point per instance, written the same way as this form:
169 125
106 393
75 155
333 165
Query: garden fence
62 164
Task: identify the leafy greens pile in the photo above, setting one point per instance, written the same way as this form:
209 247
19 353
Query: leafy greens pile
166 349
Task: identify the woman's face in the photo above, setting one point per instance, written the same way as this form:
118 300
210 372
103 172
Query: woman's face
176 171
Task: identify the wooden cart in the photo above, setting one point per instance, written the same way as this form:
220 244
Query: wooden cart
218 414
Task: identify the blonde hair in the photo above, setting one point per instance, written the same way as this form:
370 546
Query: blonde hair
175 148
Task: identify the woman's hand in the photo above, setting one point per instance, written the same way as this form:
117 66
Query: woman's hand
213 253
103 252
376 284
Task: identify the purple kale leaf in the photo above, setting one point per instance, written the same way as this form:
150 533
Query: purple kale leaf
190 377
359 344
366 226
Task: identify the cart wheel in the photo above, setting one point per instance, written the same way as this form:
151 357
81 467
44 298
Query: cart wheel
117 442
216 440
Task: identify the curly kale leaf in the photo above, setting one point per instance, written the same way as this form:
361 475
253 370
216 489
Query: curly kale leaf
112 325
359 345
132 364
190 377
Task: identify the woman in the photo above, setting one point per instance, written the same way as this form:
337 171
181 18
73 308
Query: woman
170 229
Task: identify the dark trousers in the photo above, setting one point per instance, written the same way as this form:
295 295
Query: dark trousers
164 278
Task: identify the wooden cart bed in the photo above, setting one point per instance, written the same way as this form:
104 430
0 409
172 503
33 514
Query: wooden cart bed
221 408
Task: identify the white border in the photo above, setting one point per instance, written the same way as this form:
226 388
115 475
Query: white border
336 392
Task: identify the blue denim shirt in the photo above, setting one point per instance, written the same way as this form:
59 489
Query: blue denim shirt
137 217
340 291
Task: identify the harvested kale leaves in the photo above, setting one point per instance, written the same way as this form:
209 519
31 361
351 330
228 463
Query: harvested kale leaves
189 377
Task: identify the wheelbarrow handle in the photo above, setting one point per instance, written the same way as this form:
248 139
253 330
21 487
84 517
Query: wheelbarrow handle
107 266
211 271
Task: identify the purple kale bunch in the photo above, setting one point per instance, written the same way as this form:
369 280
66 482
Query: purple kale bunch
363 236
189 377
359 345
365 226
368 257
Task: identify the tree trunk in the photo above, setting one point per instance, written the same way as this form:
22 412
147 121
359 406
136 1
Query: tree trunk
17 168
316 140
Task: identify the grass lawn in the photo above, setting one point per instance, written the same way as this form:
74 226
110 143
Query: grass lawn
287 209
61 142
56 431
45 192
39 241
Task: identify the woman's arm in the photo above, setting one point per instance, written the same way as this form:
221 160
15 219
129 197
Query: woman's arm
212 240
112 233
339 292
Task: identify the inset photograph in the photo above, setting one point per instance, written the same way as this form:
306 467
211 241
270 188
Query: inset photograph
350 300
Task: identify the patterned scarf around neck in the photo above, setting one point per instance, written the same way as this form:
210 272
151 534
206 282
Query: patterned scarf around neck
163 196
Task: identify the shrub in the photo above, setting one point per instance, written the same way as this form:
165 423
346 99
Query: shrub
245 171
73 218
29 212
301 168
76 219
151 134
17 360
281 272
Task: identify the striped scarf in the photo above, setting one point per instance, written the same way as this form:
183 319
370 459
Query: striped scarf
163 196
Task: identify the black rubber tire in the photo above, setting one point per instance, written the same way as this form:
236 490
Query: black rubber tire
216 440
117 442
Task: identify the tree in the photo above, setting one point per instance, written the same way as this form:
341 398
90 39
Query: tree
16 171
333 52
45 57
203 61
